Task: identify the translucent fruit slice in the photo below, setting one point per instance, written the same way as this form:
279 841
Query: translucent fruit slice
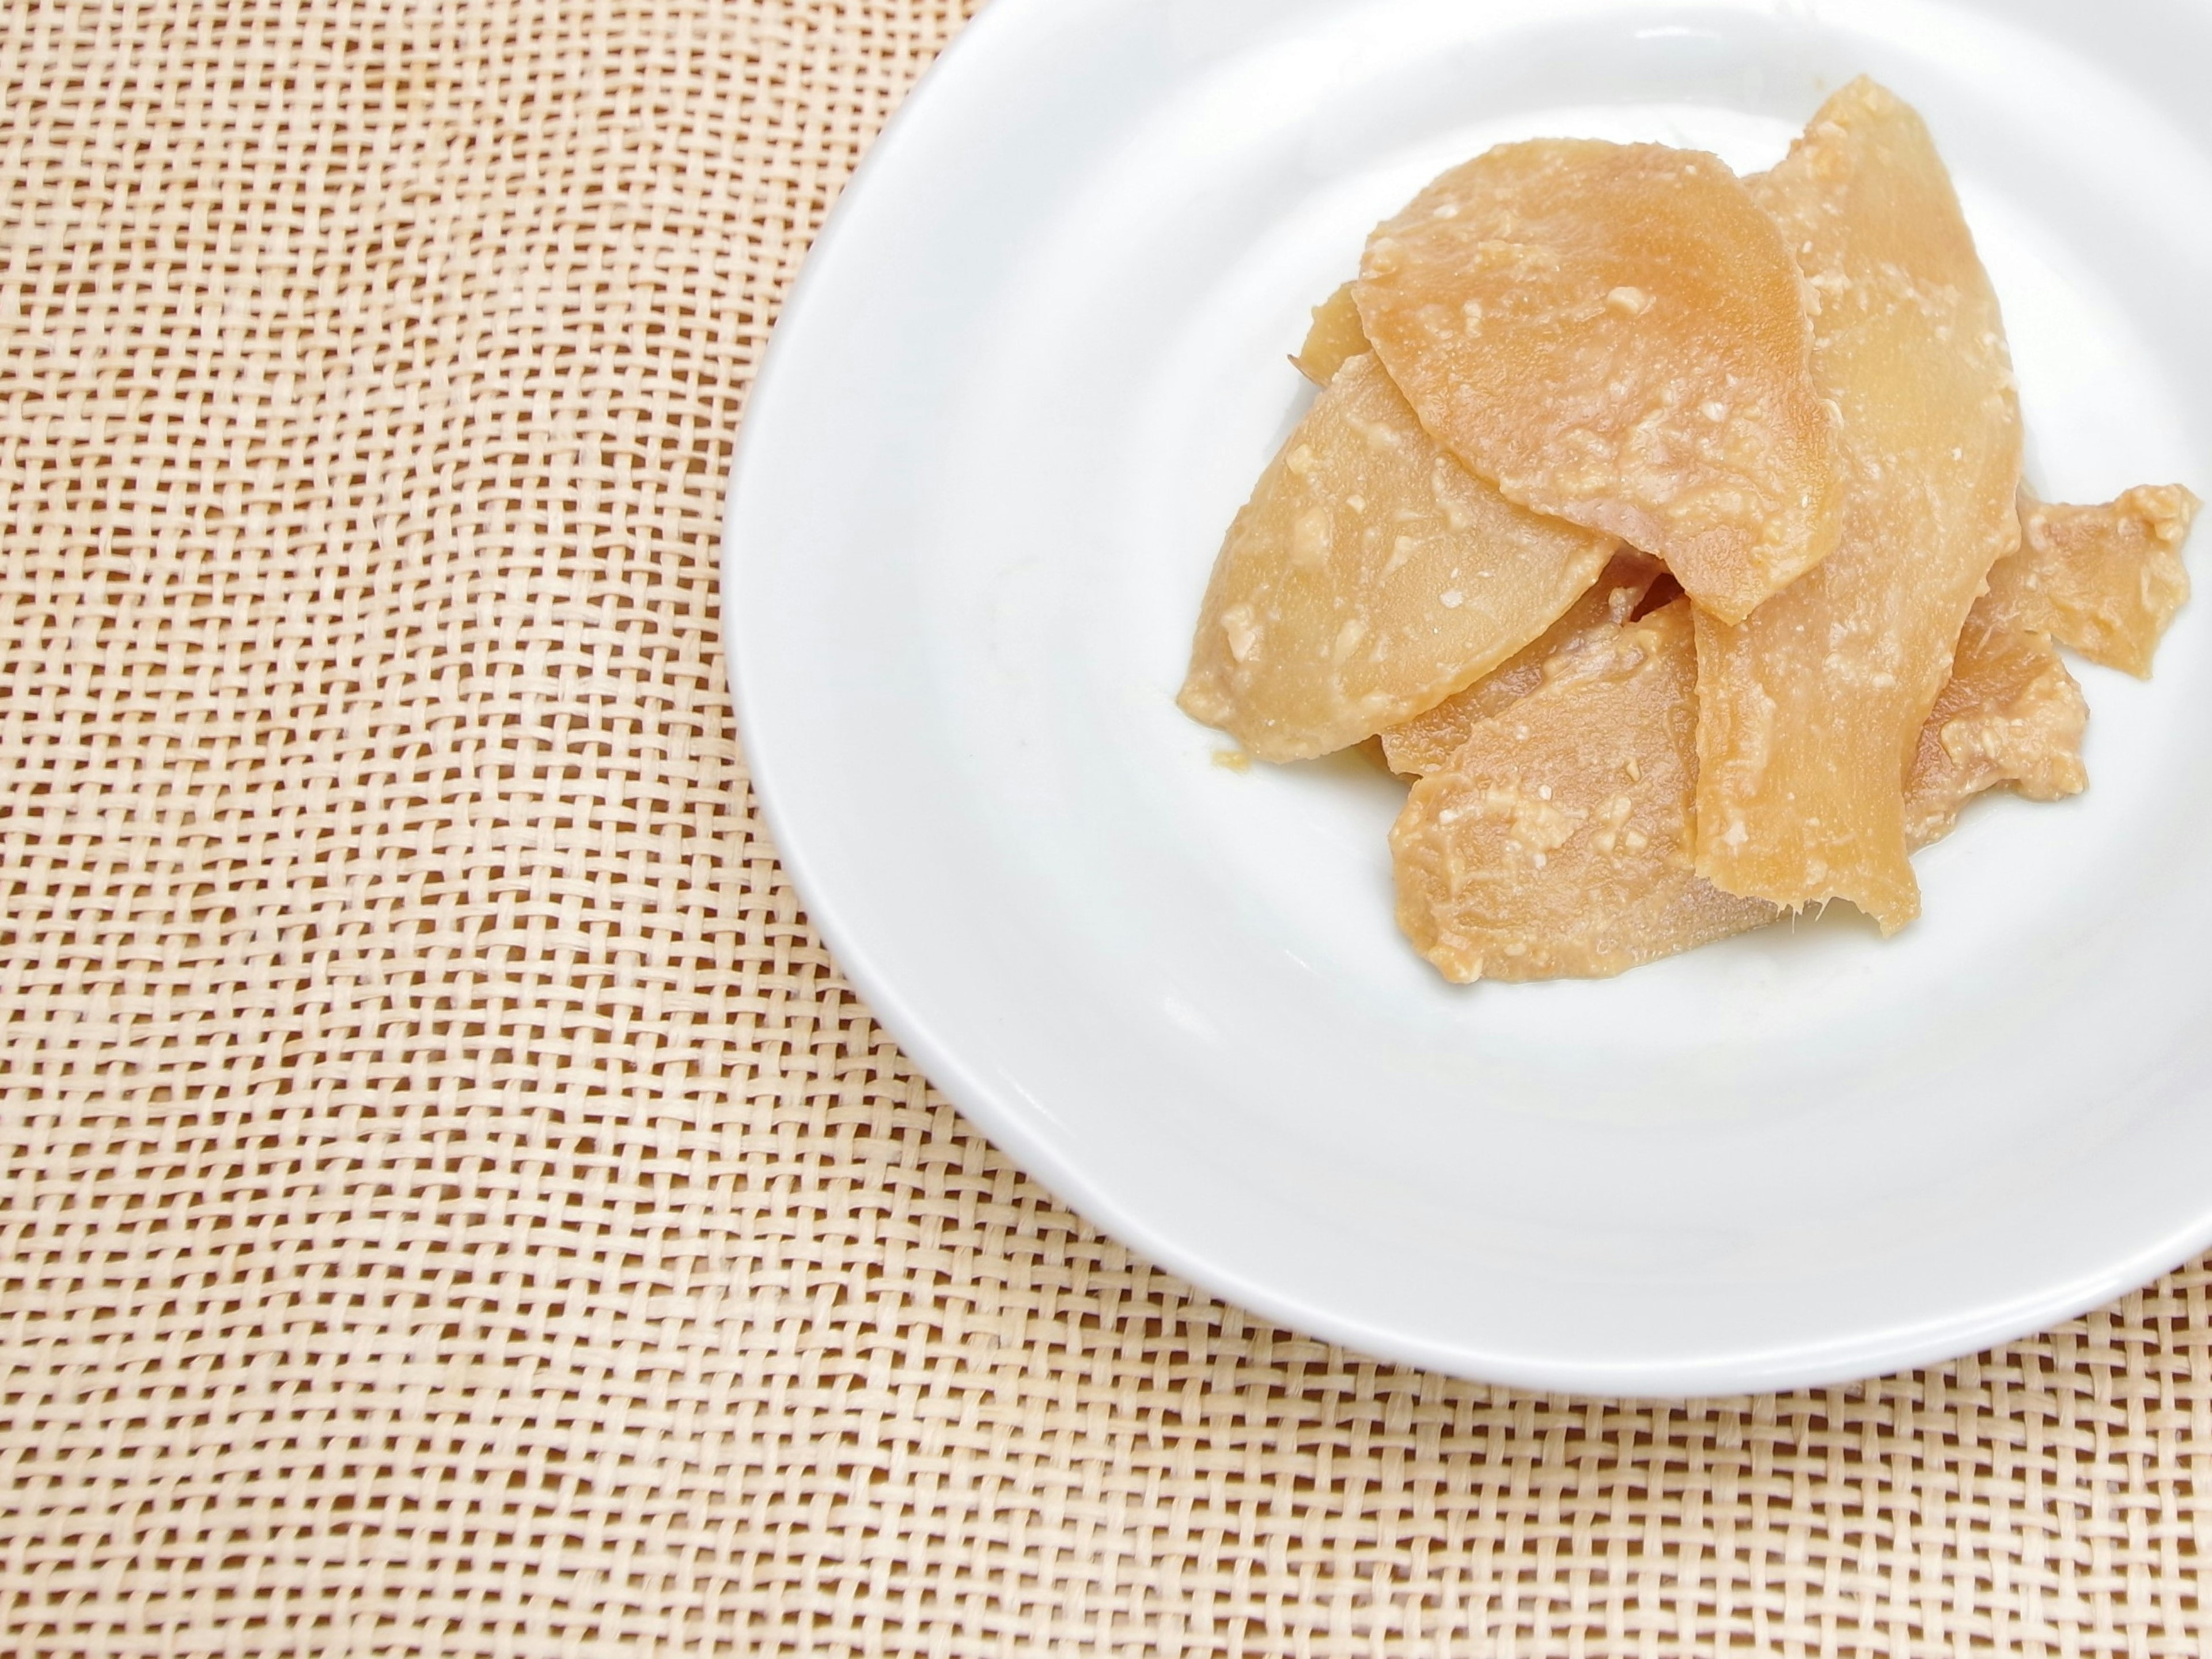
1811 709
1616 335
1369 578
1423 744
2103 579
2009 716
1555 843
1334 337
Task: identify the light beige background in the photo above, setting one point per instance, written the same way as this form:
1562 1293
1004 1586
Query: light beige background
452 1205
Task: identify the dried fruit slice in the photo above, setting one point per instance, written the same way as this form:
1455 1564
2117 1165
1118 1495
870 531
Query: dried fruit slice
1810 710
1555 844
2103 579
1335 336
1369 578
1425 743
2009 715
1618 336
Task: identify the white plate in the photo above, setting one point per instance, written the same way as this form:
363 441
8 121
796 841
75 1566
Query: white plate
1033 366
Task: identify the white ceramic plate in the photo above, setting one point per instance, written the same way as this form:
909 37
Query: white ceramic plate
1033 367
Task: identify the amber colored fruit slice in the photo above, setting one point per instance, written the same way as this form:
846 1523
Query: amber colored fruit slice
1369 578
2103 579
2009 716
1810 711
1425 743
1335 336
1617 335
1555 843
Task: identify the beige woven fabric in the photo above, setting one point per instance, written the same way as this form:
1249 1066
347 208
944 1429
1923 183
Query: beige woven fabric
454 1206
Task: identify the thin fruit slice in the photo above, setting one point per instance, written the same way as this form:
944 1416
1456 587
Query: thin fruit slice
1555 844
1810 711
1369 578
2009 716
1334 338
1617 335
2103 579
1423 744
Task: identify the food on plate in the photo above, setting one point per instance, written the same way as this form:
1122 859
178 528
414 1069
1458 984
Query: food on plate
2009 716
1555 839
1335 335
2106 580
1369 578
1810 709
1616 334
1420 746
1665 531
2103 580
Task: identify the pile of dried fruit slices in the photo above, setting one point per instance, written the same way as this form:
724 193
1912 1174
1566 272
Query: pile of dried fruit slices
1667 528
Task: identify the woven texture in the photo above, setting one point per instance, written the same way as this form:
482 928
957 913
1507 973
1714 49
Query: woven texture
453 1206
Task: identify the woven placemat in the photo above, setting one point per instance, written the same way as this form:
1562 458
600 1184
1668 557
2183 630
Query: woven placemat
453 1204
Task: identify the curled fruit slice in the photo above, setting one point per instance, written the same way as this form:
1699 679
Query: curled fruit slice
1369 578
1810 710
2103 580
1427 742
1334 337
2009 716
1617 335
1555 842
